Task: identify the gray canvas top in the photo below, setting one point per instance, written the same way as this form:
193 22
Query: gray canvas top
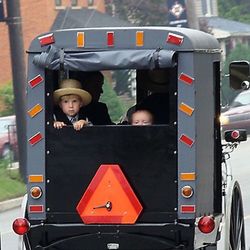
157 51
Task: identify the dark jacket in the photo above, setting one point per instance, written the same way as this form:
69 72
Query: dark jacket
61 117
97 113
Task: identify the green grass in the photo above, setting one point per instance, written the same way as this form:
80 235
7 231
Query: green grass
11 184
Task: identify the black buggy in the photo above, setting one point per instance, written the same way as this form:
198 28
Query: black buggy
164 186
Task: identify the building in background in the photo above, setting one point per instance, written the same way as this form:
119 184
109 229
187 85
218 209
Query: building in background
37 17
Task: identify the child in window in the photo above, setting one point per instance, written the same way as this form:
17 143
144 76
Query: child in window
142 117
71 98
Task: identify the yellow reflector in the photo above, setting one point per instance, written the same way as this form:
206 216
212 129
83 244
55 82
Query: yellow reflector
187 176
139 38
35 178
80 39
36 192
35 110
187 191
186 109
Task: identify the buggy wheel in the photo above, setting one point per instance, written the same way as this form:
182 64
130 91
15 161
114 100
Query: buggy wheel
237 229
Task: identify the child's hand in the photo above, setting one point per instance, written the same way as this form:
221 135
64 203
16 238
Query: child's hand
79 124
59 125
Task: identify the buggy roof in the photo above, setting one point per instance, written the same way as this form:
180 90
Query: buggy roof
157 48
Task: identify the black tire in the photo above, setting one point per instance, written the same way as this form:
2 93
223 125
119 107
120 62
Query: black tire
237 227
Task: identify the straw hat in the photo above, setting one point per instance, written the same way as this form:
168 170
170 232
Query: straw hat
72 87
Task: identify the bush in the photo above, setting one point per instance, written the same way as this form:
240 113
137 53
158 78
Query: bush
7 99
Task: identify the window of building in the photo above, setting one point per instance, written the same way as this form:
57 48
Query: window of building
90 2
74 2
58 2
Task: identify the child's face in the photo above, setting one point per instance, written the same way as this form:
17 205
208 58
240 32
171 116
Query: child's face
142 117
70 104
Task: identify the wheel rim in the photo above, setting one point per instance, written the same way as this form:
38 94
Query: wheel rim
6 152
237 231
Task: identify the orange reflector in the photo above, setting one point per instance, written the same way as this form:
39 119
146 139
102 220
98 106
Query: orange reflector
47 39
187 176
139 38
185 209
35 192
186 140
35 81
110 38
186 109
187 191
35 110
35 178
109 199
174 39
186 79
80 39
36 208
35 139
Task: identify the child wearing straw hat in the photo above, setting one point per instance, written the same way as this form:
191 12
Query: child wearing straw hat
71 98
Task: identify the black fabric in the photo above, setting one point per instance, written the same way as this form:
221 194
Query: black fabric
102 60
97 113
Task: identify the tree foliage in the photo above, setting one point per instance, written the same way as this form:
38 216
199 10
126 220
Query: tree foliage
115 106
237 10
141 12
7 100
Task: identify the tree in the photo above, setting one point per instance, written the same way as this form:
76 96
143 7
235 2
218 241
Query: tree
237 10
115 106
7 100
141 12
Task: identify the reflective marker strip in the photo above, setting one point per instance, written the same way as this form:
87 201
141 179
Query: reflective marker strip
187 176
80 39
110 38
186 109
35 110
187 140
35 178
139 38
35 139
47 39
36 208
187 209
174 39
35 81
186 79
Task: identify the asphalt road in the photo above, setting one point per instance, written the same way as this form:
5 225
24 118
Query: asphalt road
241 171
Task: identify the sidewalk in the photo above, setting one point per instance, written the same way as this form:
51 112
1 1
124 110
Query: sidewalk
10 204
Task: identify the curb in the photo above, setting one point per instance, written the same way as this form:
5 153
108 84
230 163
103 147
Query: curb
10 204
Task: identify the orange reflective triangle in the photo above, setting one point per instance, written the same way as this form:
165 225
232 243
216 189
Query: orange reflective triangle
109 198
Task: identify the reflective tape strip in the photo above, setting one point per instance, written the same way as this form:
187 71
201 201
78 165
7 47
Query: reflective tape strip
35 110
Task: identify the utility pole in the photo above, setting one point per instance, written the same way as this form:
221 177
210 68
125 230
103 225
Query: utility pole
14 23
192 15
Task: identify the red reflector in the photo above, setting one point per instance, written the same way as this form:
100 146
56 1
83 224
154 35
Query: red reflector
185 78
235 134
47 39
174 39
21 226
206 224
36 208
35 81
188 208
110 38
35 139
187 140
